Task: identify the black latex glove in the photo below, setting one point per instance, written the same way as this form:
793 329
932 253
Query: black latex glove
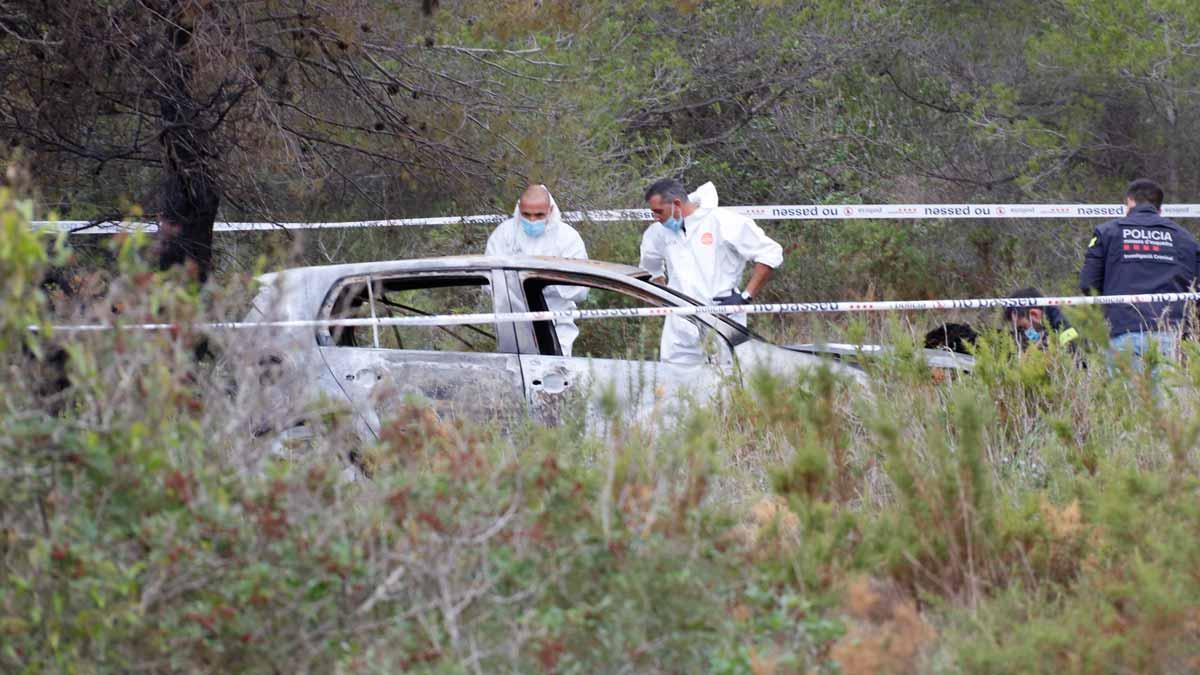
732 299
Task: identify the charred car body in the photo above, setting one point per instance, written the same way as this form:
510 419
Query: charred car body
503 370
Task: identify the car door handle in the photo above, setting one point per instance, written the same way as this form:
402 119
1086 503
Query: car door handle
367 377
551 383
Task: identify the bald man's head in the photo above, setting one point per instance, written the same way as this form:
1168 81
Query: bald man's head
535 203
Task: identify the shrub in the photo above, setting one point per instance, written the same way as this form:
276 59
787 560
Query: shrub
1032 516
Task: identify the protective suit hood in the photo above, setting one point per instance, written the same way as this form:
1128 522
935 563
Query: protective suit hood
553 219
705 196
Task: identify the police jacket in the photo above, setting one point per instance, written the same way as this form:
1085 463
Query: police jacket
1141 253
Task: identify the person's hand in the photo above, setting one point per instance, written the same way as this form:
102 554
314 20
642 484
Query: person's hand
742 298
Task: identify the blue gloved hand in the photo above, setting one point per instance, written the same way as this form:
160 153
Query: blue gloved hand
742 298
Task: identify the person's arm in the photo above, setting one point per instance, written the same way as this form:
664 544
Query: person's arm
495 242
1091 275
753 244
652 258
574 248
1196 272
571 245
758 278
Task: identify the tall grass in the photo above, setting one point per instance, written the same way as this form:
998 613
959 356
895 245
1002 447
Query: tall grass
1034 516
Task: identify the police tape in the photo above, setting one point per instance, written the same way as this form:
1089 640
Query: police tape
644 312
766 212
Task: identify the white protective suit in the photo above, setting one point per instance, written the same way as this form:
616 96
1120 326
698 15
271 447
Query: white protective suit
559 240
705 261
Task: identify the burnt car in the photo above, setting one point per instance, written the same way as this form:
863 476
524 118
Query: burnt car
501 370
943 362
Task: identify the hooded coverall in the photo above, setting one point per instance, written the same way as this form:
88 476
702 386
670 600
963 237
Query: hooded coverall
559 240
705 260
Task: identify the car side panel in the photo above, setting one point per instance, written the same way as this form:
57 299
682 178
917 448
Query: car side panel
557 386
608 389
474 386
477 387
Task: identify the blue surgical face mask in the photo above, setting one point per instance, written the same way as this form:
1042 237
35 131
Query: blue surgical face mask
533 228
1032 334
673 224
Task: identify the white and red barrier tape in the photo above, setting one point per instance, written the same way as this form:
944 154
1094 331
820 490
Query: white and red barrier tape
766 212
775 308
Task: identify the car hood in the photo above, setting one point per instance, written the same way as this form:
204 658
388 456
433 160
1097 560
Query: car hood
937 358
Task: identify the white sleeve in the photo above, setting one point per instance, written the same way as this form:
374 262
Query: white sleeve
574 248
493 246
749 240
496 242
653 260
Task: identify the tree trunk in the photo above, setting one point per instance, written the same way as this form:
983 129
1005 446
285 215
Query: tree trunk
189 194
1174 184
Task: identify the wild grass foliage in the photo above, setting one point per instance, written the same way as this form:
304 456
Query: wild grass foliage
1034 516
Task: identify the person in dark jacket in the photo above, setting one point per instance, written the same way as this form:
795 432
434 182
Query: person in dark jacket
1142 253
1034 325
954 337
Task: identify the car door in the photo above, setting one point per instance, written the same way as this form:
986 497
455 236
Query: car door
615 361
471 372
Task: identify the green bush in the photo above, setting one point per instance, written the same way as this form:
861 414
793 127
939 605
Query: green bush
1033 516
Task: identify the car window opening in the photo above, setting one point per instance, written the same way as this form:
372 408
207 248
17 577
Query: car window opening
636 338
426 296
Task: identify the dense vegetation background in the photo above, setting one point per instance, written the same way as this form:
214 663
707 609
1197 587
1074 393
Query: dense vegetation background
301 110
1034 516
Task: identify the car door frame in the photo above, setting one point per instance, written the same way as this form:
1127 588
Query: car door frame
506 332
526 338
530 351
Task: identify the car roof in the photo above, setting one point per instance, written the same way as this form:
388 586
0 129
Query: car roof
297 292
470 262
